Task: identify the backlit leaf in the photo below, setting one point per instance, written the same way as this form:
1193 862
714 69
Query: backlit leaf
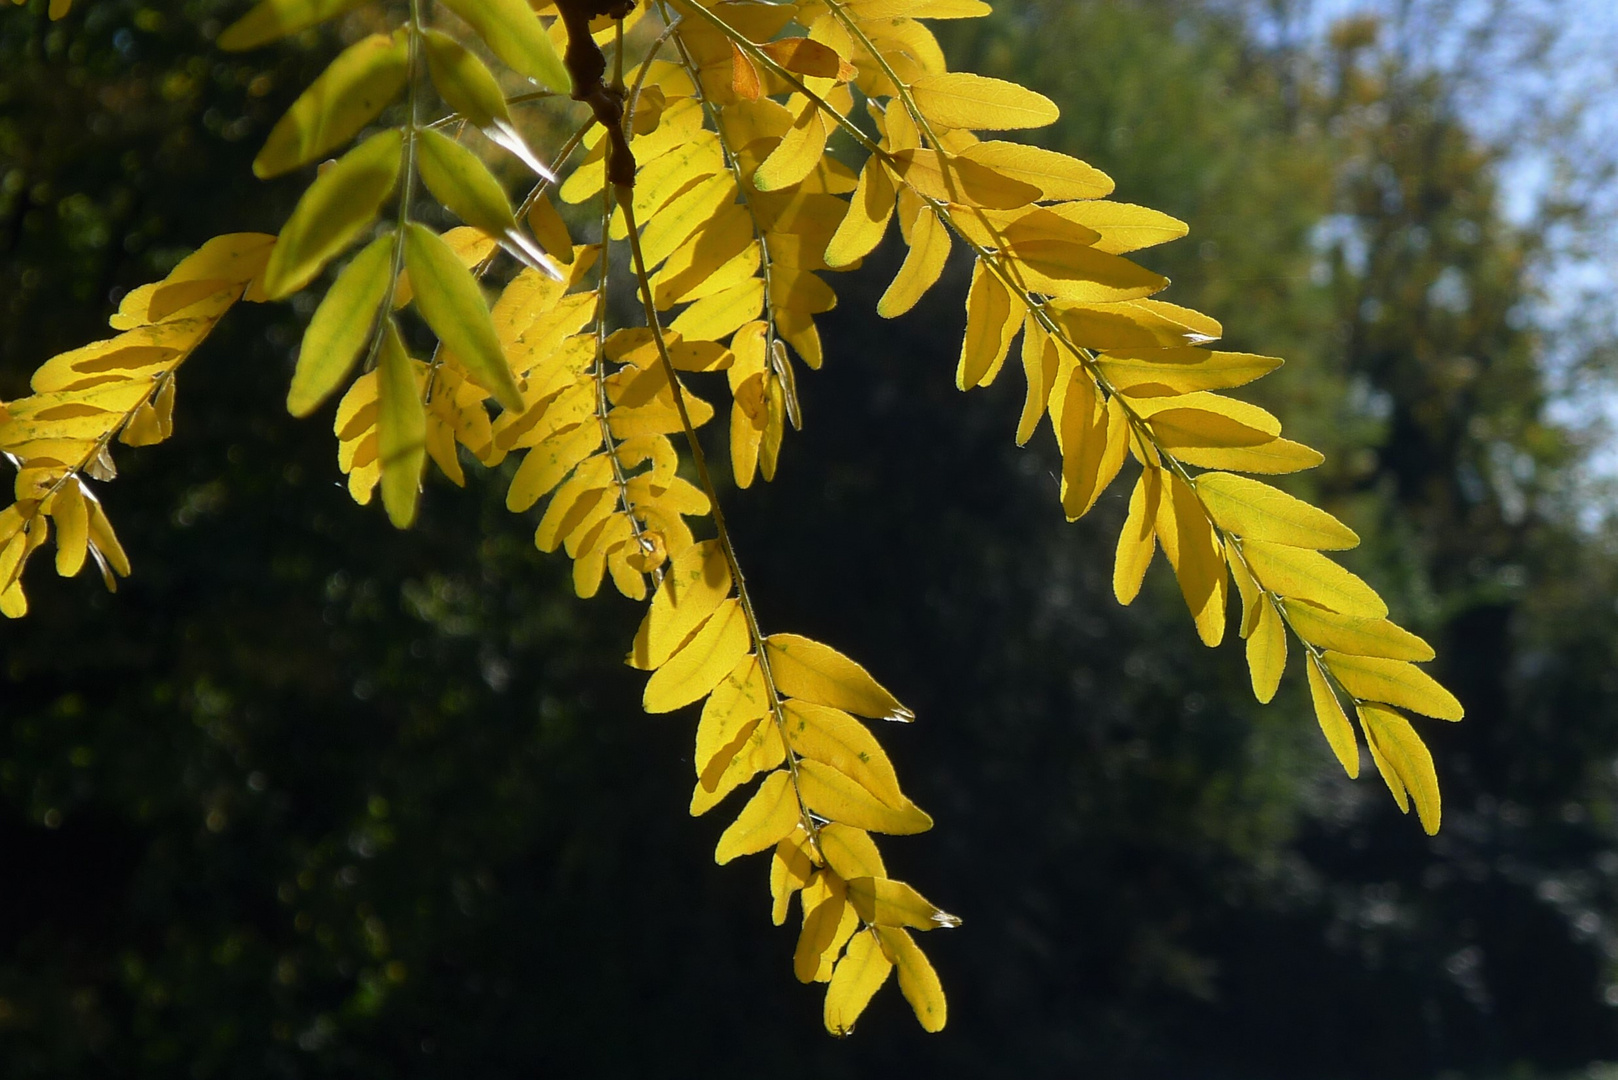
1252 509
341 326
769 815
979 103
822 675
1395 682
449 299
1333 721
338 206
358 85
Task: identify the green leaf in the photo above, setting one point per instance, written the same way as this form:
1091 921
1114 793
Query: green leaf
341 327
449 299
401 429
465 82
464 184
357 86
513 33
338 206
275 19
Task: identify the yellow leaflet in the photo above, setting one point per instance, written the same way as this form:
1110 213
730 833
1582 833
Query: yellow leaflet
837 739
703 277
546 464
660 452
879 10
811 58
513 33
859 975
1399 751
1252 600
1164 372
1123 227
1194 552
739 700
837 797
1266 652
1396 682
708 208
338 206
961 180
534 425
917 981
749 414
550 230
1137 543
152 421
720 315
1071 272
790 868
699 665
799 151
923 266
760 749
638 347
1309 575
769 815
1057 176
470 246
457 407
1249 508
274 19
893 903
677 496
341 326
115 359
769 449
1203 419
829 921
1039 365
357 86
991 324
658 416
583 497
401 429
822 675
697 581
1128 325
1275 456
72 519
725 233
851 852
1357 637
552 343
979 103
1094 443
615 532
1333 721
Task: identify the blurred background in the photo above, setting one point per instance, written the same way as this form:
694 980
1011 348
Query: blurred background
314 798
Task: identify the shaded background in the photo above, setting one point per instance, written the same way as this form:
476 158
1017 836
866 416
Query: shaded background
311 797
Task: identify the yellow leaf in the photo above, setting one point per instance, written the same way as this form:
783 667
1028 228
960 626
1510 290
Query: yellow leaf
72 519
1309 575
811 58
828 922
1057 176
401 429
961 180
758 750
1069 271
769 815
696 582
837 797
341 326
702 277
869 211
837 739
1137 543
104 540
790 868
1395 682
338 206
979 103
1132 324
991 324
923 266
1203 419
893 903
693 672
1404 761
358 85
720 315
709 208
274 19
851 852
1194 552
822 675
1358 637
513 33
547 464
582 500
449 299
1275 456
1164 372
859 975
1253 601
799 151
1039 365
1123 226
1267 652
1253 509
550 230
917 981
1333 721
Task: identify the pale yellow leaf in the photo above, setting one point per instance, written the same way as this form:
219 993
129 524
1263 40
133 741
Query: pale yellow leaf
769 815
1249 508
1194 552
547 464
851 852
1267 652
1395 682
1164 372
1356 636
979 103
991 324
798 153
790 868
1333 721
869 211
1039 365
696 582
699 665
1137 543
1123 226
1275 456
449 299
1397 748
1309 575
72 519
922 267
1057 176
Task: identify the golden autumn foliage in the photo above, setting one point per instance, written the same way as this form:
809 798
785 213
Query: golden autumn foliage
702 148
